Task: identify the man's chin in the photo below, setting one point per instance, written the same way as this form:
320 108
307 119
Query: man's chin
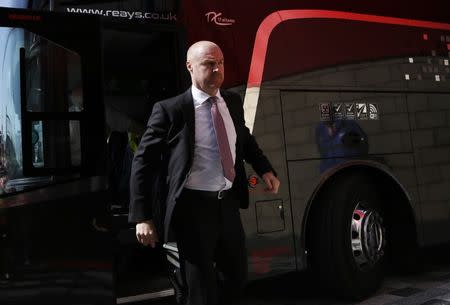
215 86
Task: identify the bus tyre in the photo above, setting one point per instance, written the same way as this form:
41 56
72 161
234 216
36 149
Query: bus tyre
348 237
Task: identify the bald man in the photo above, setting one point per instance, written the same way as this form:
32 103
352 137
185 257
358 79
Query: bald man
190 161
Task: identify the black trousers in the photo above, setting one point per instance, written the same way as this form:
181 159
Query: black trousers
211 245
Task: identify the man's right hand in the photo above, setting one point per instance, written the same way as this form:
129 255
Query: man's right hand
146 233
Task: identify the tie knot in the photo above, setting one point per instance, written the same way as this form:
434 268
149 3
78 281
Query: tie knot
213 99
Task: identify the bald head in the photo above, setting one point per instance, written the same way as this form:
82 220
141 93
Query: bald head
205 64
199 48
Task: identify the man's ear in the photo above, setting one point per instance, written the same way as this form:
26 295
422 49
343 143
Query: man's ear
189 66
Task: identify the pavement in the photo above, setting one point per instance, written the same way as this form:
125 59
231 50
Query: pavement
430 286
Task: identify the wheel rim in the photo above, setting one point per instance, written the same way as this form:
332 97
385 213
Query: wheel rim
368 236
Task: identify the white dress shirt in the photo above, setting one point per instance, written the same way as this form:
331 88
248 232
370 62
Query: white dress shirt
206 172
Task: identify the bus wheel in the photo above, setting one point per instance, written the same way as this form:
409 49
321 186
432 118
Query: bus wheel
348 237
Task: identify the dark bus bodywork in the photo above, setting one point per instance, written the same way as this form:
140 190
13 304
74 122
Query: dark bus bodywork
350 101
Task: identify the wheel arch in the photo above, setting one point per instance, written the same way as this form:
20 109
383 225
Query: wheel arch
384 178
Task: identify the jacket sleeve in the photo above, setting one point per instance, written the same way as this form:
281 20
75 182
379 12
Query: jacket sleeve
147 166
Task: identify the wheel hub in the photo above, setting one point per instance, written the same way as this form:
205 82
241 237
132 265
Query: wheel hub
368 236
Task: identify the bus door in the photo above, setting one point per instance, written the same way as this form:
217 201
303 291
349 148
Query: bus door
143 64
55 245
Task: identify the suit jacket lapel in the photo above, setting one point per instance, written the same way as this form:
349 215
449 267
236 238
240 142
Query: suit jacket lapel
233 113
187 105
230 105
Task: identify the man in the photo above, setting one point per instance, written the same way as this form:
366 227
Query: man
199 141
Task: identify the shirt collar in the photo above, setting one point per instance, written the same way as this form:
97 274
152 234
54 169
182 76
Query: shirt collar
200 96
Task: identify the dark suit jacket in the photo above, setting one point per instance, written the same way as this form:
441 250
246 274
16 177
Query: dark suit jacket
164 158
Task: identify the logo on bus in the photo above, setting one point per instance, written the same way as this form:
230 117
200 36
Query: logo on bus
373 112
361 111
213 17
348 111
338 111
325 112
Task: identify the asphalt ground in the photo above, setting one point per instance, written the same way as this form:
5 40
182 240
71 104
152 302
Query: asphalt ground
428 285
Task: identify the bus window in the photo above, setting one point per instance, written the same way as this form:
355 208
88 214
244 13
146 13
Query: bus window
56 144
53 76
53 85
50 106
10 115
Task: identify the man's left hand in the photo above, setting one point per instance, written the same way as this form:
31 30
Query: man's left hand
272 183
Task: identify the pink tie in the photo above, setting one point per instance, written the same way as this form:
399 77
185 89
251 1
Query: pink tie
222 139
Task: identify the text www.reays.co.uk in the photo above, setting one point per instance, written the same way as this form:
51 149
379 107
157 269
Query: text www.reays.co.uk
124 14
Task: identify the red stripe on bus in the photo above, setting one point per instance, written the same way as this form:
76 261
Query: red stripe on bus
270 22
263 258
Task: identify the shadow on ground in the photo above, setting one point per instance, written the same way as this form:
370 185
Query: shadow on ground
301 288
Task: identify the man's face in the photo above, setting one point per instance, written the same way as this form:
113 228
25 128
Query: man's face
206 67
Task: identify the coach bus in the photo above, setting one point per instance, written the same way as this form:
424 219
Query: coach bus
350 100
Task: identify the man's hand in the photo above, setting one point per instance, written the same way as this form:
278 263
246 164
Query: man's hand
272 183
146 233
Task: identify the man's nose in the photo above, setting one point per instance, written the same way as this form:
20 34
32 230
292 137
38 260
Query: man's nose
215 67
